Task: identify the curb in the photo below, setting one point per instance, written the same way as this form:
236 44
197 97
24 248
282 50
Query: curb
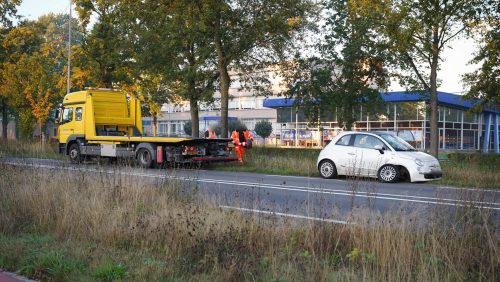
12 277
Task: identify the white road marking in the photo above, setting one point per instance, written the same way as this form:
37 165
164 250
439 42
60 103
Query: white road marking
287 215
383 196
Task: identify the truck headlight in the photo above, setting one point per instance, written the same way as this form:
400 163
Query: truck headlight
419 162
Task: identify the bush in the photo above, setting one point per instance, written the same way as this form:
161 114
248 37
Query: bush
263 128
187 127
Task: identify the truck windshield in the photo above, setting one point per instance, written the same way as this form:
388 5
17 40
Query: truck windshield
67 115
397 143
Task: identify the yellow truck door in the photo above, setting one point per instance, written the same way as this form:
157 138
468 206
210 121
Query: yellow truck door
71 122
66 126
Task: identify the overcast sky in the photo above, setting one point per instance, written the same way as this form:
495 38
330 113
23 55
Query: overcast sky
455 62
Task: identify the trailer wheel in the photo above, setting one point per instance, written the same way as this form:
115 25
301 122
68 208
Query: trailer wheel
144 158
74 153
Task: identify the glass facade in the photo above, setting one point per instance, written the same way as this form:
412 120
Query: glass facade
459 129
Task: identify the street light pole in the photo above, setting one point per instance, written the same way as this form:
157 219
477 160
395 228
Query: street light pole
69 50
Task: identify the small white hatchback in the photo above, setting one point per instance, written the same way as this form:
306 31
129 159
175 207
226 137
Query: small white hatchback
376 154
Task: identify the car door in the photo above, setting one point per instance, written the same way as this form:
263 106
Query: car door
368 156
344 155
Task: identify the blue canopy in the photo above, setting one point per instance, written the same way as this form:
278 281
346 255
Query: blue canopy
444 98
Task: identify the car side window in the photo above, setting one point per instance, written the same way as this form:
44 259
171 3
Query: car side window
78 114
344 140
67 115
367 141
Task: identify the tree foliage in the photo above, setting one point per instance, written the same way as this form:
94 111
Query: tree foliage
349 72
484 83
104 44
242 29
170 41
8 11
418 32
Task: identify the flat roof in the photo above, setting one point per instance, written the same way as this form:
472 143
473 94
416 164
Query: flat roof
444 98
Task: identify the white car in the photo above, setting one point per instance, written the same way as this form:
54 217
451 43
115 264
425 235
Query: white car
376 154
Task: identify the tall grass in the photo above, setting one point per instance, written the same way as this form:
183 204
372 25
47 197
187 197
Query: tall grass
27 149
177 235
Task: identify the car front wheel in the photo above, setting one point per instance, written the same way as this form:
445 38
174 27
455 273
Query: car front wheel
327 169
389 174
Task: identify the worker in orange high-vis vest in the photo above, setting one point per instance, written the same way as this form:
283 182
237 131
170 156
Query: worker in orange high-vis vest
241 137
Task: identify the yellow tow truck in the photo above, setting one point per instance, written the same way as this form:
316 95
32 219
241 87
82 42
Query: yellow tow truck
107 123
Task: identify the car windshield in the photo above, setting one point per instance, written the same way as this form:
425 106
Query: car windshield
397 143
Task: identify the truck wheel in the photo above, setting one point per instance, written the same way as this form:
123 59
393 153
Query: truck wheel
144 158
74 153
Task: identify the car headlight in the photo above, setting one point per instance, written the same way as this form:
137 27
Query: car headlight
419 162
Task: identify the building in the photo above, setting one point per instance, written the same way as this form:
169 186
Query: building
403 114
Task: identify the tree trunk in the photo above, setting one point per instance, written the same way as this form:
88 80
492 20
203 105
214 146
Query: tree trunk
155 125
224 84
433 99
42 134
5 118
195 124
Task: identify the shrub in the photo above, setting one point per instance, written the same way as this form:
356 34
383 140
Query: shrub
187 127
263 128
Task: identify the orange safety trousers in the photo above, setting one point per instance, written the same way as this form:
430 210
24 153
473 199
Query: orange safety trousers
240 152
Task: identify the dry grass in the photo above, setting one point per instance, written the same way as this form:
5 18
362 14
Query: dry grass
24 149
192 239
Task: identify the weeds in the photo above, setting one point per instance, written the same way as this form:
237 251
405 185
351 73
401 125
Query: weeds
118 227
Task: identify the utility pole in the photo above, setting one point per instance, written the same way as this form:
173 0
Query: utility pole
69 49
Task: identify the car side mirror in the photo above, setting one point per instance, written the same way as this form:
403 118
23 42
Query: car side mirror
380 148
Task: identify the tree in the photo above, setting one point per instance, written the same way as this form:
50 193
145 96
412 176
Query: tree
8 10
349 72
34 68
169 39
418 32
264 129
187 127
104 43
484 83
240 28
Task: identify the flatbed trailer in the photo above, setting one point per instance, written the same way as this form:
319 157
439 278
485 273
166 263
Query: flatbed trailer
106 123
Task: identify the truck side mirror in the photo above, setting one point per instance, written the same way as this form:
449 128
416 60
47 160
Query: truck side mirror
57 116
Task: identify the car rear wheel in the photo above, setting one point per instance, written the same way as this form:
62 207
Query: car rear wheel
389 174
327 169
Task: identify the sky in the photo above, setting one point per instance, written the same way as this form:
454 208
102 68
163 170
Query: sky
455 62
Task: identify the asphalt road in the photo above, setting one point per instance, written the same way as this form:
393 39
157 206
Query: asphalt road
336 200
